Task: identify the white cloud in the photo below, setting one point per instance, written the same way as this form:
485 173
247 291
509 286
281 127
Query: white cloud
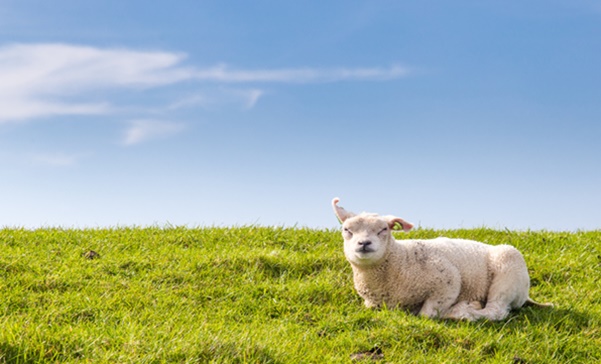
219 97
15 108
53 79
190 101
223 73
143 130
56 159
252 97
42 79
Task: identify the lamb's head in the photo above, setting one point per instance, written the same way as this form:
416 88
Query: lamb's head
367 236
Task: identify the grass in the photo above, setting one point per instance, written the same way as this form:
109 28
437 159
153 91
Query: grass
268 295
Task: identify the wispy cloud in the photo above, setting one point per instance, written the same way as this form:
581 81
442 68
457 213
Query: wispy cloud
252 96
222 73
56 159
144 130
190 101
53 79
247 98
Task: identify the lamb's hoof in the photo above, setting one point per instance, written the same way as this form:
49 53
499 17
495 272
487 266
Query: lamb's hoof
461 311
460 317
475 305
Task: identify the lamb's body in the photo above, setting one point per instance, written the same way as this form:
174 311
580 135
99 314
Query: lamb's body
445 277
450 278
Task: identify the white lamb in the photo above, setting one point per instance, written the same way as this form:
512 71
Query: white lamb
447 278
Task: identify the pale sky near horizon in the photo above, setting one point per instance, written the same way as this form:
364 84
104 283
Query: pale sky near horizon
449 114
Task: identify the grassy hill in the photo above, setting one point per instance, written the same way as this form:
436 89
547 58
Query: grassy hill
268 295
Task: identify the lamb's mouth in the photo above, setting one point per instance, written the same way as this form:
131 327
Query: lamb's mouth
364 250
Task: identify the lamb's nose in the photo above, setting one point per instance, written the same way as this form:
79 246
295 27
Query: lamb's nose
364 243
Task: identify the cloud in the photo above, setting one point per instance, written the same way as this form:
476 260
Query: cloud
252 97
190 101
216 98
222 73
144 130
15 108
56 159
54 79
44 79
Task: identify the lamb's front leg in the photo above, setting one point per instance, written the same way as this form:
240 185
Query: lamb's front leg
437 305
464 311
444 291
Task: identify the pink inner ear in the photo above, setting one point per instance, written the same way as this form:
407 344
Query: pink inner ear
407 226
399 224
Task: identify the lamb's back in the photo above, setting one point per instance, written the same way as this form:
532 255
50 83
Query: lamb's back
470 258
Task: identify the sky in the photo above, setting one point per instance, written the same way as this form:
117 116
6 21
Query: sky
449 114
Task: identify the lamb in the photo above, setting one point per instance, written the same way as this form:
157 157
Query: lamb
438 278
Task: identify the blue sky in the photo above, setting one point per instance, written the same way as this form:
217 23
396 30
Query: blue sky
448 114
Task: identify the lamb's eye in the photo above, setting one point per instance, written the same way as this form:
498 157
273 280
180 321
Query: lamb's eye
347 231
383 230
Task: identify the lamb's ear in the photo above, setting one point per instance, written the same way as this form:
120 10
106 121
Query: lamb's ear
341 213
396 223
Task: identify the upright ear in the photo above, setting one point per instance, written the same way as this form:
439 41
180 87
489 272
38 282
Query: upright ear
341 213
396 223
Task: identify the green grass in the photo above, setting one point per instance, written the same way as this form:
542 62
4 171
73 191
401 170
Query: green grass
268 295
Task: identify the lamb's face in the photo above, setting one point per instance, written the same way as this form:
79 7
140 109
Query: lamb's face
366 239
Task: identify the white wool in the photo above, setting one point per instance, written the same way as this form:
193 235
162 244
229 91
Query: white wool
448 278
